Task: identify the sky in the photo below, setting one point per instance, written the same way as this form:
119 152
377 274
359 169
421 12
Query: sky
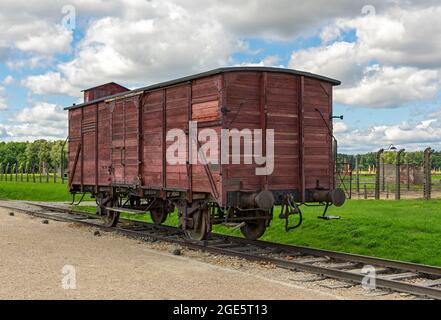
386 53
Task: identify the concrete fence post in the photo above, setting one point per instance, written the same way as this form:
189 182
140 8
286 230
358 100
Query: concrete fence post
350 184
427 166
408 176
357 175
398 175
377 174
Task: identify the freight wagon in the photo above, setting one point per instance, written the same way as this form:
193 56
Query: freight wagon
145 150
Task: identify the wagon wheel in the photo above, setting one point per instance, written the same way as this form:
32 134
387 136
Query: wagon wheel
110 218
160 213
254 229
201 227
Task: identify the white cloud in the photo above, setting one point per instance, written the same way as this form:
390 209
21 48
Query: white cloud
409 135
31 132
43 113
4 134
141 41
340 127
30 61
388 87
141 51
8 80
3 104
282 19
51 83
33 35
270 61
399 36
40 121
339 60
391 63
49 40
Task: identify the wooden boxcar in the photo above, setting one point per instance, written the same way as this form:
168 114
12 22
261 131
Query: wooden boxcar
118 145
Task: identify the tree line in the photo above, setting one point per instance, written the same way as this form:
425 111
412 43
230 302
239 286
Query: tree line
37 156
370 159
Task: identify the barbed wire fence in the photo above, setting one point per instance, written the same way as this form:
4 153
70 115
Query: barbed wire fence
394 181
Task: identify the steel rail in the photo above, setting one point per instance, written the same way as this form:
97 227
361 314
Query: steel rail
257 251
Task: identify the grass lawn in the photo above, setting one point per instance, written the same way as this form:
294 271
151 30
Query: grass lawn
17 190
408 230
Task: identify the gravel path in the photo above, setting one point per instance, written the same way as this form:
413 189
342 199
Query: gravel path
110 266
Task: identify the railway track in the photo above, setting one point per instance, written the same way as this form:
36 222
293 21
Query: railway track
416 279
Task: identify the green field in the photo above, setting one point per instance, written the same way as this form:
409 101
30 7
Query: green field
406 230
17 190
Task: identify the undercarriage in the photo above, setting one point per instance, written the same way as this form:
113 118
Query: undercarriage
251 213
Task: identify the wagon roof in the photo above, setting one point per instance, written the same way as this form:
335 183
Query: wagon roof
206 74
105 84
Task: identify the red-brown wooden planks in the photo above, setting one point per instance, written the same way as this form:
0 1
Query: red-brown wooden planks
254 101
152 132
177 118
74 142
317 138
